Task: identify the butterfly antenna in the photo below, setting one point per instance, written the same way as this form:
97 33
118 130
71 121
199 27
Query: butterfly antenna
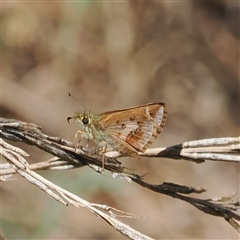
69 94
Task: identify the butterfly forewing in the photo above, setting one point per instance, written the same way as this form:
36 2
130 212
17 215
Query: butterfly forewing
135 128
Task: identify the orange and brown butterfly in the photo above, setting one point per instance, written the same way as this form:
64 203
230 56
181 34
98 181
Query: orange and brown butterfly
128 131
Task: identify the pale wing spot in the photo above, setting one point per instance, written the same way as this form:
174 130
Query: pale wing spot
140 137
146 132
159 116
123 129
134 134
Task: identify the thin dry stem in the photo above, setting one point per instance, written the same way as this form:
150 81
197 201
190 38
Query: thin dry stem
66 157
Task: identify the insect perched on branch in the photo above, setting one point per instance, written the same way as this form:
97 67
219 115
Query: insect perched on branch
128 131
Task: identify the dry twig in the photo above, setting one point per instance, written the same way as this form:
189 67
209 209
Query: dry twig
66 157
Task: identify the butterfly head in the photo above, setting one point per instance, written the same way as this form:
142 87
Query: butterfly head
83 119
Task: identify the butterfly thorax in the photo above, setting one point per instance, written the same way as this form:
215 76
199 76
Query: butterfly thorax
93 129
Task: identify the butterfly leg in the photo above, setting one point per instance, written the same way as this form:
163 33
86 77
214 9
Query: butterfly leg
77 142
87 143
104 150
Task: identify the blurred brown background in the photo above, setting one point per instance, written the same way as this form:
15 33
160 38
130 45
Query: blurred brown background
112 55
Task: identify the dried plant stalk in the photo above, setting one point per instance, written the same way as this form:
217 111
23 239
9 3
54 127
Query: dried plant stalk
66 157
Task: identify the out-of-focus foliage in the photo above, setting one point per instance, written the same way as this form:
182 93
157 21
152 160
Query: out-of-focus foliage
112 55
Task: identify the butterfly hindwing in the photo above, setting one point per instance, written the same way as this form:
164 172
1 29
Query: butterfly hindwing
136 128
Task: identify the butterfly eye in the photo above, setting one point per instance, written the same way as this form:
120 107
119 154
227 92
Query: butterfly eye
85 120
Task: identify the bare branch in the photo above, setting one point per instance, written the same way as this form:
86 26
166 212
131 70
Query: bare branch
66 157
16 161
214 149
